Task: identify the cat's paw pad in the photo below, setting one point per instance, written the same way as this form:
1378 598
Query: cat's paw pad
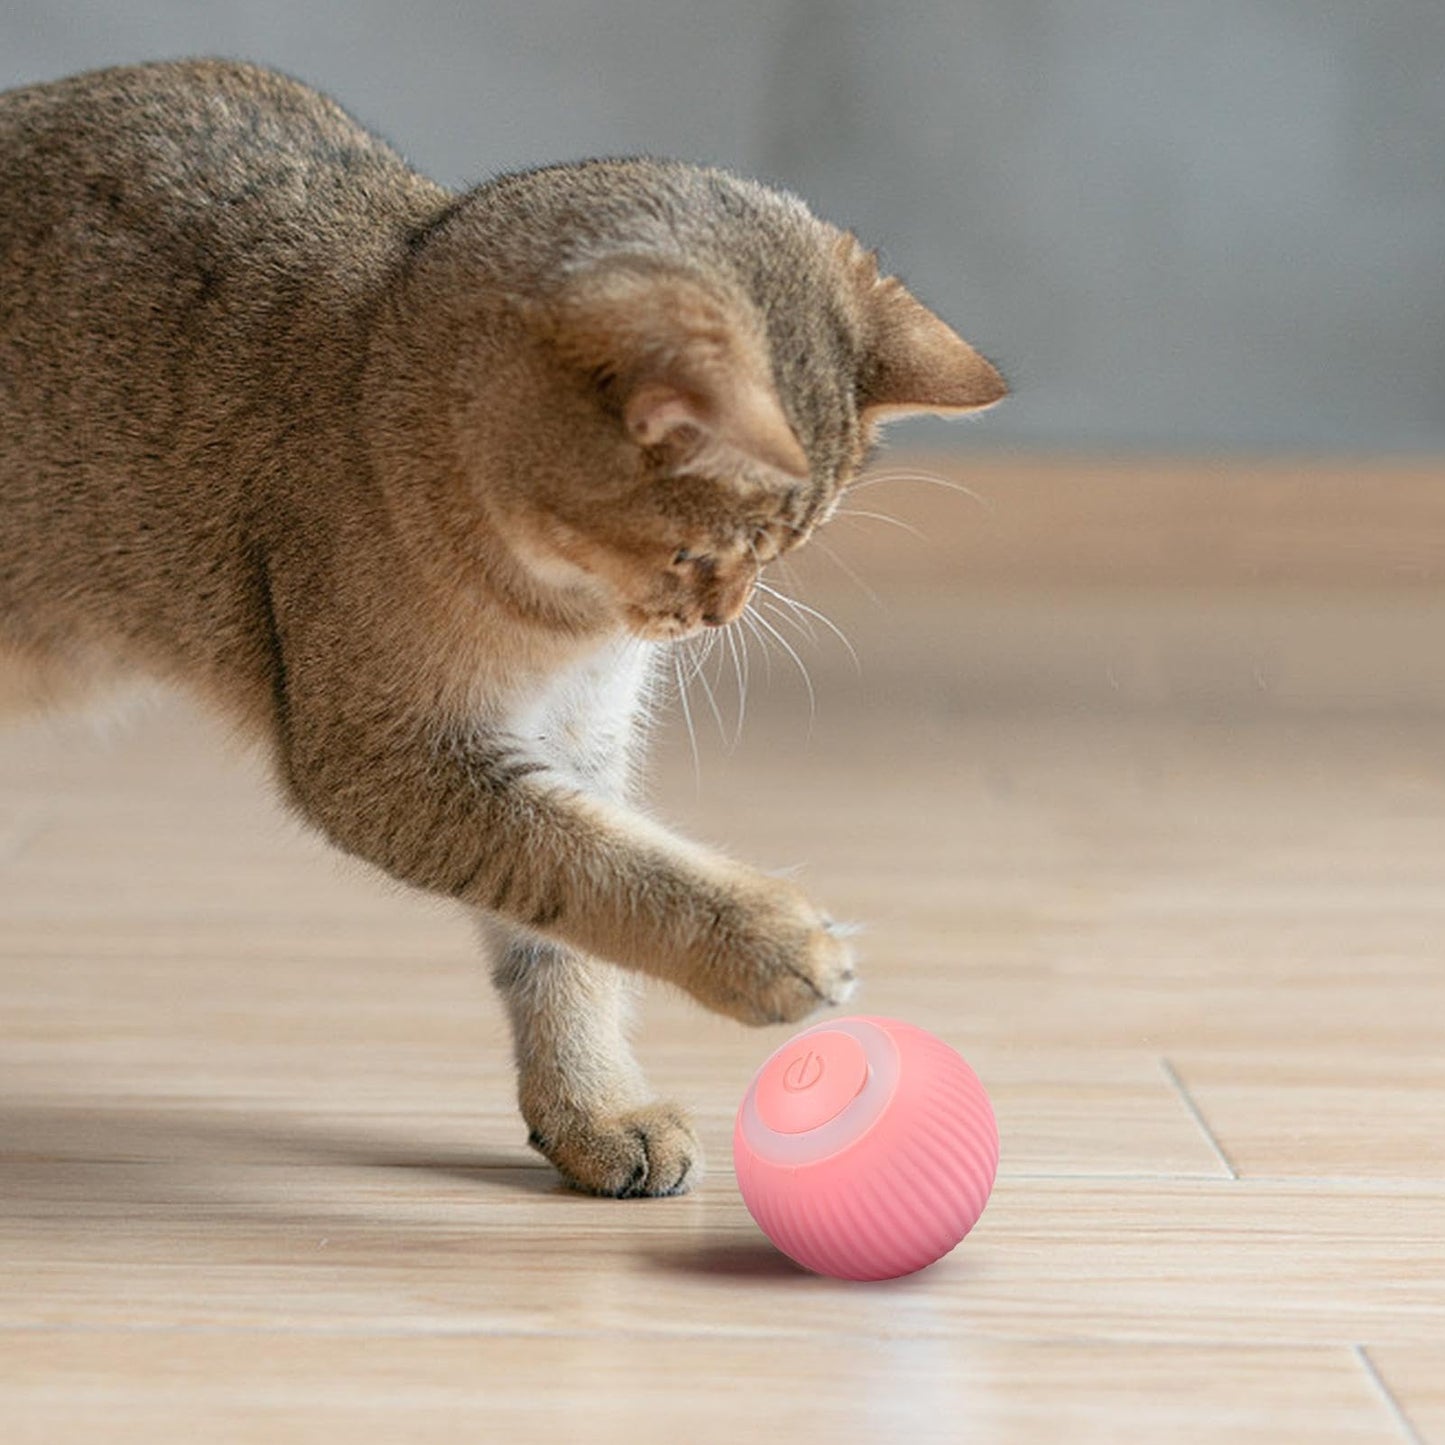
643 1153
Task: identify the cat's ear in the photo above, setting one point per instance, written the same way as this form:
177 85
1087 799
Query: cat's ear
917 363
683 361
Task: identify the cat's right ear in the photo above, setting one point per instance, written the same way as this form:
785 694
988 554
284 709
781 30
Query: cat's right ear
921 364
914 362
681 362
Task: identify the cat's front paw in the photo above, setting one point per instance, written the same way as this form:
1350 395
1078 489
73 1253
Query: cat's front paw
643 1152
774 958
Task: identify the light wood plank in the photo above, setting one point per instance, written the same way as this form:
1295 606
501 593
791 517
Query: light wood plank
291 1388
458 1244
271 1101
1342 1113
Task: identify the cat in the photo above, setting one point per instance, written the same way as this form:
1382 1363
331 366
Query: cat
415 485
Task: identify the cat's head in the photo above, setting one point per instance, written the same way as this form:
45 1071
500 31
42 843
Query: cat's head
706 364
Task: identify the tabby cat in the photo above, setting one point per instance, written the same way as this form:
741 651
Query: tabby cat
414 486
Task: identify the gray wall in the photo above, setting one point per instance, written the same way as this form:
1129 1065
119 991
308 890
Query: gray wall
1176 224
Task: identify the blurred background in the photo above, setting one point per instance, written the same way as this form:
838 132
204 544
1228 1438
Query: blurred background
1174 225
1205 244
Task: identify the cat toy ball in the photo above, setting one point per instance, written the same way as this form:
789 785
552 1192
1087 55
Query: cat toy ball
865 1148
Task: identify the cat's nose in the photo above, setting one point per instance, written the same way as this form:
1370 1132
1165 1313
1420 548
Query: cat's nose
726 603
719 616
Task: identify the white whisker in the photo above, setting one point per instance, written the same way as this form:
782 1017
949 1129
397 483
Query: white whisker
802 668
798 624
786 567
698 649
779 596
743 651
874 478
847 571
708 692
687 716
752 626
821 617
740 674
880 517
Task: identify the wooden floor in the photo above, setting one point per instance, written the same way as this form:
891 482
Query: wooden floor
1166 862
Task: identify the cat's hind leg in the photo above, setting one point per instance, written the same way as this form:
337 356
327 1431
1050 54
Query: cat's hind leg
582 1093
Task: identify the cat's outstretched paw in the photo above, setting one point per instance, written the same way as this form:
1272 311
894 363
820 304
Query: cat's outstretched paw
776 958
646 1152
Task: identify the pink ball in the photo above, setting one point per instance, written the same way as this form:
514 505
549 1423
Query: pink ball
865 1148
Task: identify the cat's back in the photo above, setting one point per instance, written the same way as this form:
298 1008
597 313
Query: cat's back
188 255
184 247
181 159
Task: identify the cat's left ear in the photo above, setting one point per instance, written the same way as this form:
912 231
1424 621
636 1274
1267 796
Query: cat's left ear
686 363
917 363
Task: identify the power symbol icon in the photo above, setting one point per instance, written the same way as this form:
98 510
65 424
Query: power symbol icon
803 1072
809 1081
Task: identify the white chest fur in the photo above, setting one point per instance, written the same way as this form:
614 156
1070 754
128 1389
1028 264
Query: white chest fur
582 720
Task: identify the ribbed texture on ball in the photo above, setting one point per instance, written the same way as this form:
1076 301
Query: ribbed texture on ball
903 1193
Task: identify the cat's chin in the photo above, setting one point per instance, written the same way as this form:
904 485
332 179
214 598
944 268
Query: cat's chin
659 626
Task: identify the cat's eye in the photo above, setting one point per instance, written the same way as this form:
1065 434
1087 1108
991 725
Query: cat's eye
681 556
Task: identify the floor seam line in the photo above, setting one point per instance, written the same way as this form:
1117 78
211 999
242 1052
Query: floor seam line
1392 1404
1195 1113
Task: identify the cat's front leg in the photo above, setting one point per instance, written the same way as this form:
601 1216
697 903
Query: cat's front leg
480 819
582 1094
612 883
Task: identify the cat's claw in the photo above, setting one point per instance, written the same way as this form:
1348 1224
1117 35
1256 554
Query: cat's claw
826 979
